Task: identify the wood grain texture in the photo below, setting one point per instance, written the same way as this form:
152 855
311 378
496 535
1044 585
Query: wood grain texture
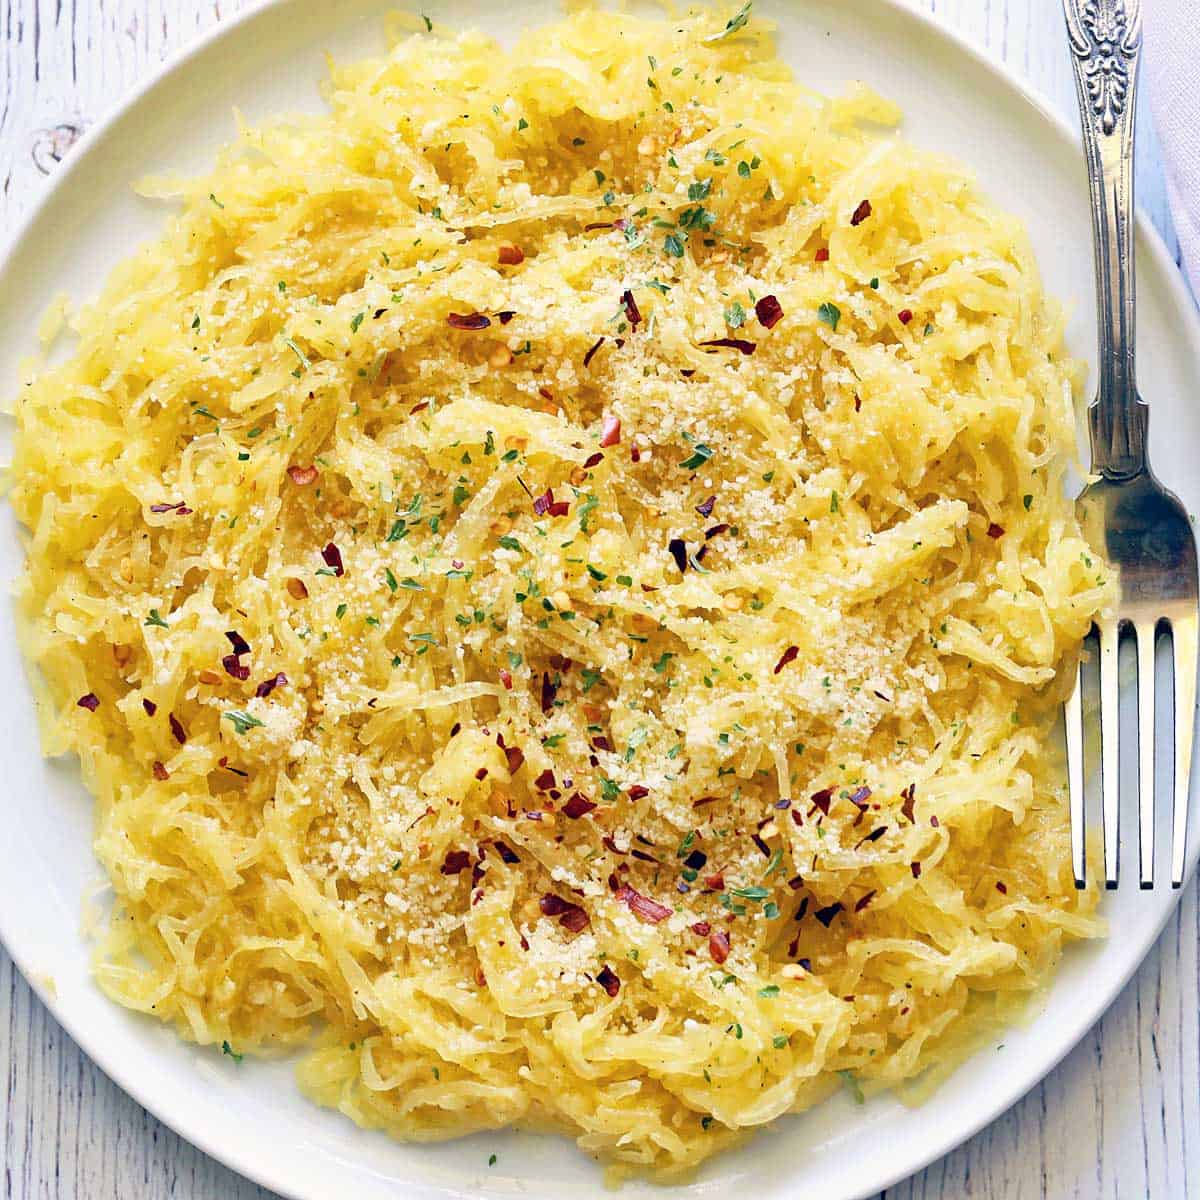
1118 1120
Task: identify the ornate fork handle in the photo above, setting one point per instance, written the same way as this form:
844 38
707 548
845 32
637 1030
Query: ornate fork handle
1106 41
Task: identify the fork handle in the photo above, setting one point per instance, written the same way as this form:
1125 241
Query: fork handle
1106 42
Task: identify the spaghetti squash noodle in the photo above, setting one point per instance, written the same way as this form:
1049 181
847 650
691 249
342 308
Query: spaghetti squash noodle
558 576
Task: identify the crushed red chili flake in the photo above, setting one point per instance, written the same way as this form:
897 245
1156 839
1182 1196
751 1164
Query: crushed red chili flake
934 822
769 311
510 255
160 772
1001 888
863 901
267 686
995 531
610 428
559 663
177 728
506 678
635 453
333 559
702 928
91 702
718 945
789 655
858 404
910 795
234 667
543 502
468 321
609 980
505 316
732 344
716 531
456 862
826 915
638 791
705 507
764 849
904 316
678 551
516 757
593 460
642 855
916 869
570 916
578 806
302 476
797 817
696 860
631 309
796 882
178 507
150 707
802 910
506 852
587 358
482 773
559 508
874 835
239 643
822 255
642 906
715 883
549 691
861 213
545 781
860 797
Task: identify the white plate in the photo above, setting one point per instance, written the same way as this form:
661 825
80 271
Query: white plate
251 1116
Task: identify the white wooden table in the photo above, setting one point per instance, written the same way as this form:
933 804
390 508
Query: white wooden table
1119 1119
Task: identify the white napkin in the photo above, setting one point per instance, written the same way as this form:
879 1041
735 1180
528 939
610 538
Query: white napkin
1171 63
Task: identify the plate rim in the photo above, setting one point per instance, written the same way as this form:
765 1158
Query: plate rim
930 27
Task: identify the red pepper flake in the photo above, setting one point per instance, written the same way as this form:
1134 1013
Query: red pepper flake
578 806
764 849
769 311
826 915
506 678
796 882
333 559
822 255
1001 888
559 663
641 854
642 906
510 255
91 702
516 758
545 781
635 453
678 551
789 655
505 316
916 869
718 945
638 791
178 507
543 503
715 883
802 910
934 822
861 213
587 358
863 901
905 315
995 531
593 460
456 862
696 860
858 404
860 797
267 686
234 667
608 980
239 643
873 836
468 321
160 772
716 531
549 691
559 508
631 309
702 928
150 707
732 344
506 852
705 507
481 774
177 728
302 476
910 795
610 428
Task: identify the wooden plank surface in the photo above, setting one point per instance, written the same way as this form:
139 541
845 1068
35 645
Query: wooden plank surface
1118 1120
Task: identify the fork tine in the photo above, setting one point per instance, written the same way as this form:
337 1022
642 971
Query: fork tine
1110 750
1183 640
1073 719
1144 632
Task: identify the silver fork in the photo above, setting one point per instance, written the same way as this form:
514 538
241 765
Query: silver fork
1142 528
